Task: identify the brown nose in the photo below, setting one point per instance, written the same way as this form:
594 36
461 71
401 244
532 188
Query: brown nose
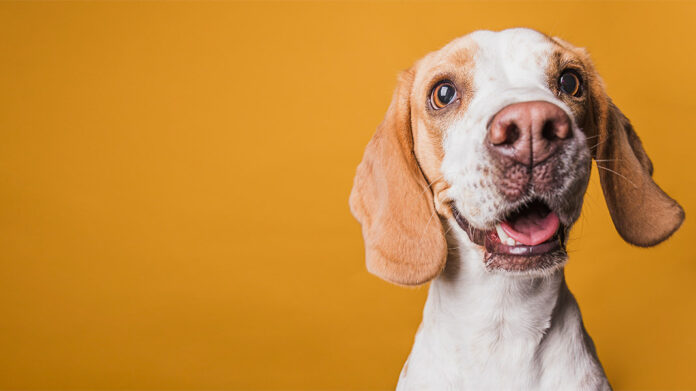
529 132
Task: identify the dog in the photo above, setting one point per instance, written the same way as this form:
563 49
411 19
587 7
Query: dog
472 182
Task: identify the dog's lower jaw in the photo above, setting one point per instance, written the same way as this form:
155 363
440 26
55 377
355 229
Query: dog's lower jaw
483 330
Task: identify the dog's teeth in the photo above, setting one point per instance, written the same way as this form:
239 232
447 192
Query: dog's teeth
501 234
504 238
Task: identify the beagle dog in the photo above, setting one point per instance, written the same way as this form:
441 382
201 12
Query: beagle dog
472 182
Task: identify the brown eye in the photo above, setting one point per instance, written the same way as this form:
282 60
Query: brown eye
569 83
443 94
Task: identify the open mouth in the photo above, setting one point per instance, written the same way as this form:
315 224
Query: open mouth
531 237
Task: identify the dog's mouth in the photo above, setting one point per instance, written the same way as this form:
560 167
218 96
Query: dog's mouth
530 237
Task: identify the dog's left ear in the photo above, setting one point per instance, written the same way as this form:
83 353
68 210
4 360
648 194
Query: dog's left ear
642 213
404 239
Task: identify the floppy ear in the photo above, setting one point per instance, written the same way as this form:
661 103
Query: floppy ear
404 239
643 214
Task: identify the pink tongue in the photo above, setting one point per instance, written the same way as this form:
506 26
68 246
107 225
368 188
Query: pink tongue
532 229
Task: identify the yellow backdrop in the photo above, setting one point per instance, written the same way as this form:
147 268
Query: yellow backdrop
174 181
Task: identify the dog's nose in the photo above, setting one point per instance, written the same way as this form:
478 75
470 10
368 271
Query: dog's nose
529 132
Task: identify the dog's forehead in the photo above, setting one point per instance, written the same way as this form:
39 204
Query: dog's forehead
515 57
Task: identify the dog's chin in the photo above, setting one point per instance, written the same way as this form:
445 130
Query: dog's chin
536 257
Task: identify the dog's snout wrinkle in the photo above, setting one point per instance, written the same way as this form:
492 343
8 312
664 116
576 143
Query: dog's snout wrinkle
528 132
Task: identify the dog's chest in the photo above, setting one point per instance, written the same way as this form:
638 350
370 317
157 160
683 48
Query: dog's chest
466 356
475 345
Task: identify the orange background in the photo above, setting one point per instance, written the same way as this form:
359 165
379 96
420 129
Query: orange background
174 181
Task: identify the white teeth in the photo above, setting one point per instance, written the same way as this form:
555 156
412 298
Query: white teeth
504 238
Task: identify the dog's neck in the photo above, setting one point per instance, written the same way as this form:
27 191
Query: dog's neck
494 309
488 330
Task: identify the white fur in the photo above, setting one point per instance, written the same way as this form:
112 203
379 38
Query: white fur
494 330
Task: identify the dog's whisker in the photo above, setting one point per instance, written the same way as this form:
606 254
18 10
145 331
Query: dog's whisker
434 181
614 172
595 146
425 228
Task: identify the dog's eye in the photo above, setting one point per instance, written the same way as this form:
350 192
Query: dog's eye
569 83
443 94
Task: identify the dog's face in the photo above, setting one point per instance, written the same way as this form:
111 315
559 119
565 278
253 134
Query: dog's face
495 133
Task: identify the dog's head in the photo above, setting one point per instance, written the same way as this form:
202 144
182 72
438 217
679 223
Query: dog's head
494 135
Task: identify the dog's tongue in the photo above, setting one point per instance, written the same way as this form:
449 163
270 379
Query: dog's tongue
532 227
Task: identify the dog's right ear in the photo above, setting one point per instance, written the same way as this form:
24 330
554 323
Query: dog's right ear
404 239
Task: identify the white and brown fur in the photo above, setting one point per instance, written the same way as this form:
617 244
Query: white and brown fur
487 326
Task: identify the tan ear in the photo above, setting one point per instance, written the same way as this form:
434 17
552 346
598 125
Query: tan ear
404 239
643 214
